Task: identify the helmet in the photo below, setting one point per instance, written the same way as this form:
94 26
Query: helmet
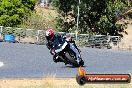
49 33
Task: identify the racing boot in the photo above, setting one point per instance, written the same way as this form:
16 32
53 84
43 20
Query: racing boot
80 61
56 59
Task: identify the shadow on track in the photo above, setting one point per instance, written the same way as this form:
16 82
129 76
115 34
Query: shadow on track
70 66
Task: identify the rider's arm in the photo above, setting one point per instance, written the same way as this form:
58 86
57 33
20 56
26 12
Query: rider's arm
49 45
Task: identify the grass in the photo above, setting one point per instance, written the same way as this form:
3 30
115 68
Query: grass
54 83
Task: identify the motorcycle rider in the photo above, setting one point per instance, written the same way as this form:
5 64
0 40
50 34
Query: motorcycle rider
53 39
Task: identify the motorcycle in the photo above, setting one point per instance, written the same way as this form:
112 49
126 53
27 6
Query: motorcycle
68 55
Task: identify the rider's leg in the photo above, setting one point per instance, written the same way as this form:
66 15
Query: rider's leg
56 59
76 51
73 42
76 47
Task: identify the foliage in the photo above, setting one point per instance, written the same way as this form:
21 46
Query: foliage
98 17
14 11
37 21
16 32
8 30
66 18
20 32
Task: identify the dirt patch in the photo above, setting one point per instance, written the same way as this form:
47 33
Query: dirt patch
54 83
28 39
34 83
126 41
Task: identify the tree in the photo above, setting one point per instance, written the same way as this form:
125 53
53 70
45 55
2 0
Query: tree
98 17
113 13
66 18
14 11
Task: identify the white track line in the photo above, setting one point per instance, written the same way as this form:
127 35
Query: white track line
1 64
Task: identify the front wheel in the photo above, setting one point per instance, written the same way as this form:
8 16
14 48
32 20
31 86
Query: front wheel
71 59
81 63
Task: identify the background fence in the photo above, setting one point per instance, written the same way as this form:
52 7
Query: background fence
38 37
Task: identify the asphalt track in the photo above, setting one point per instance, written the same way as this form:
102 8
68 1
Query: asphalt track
35 61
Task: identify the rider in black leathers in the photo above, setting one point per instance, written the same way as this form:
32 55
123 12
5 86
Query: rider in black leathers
54 40
50 45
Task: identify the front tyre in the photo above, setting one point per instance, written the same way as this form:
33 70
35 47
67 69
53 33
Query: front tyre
71 59
81 63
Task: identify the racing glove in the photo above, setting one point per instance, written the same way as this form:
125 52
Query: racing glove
52 51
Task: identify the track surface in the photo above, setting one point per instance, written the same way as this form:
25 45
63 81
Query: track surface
35 61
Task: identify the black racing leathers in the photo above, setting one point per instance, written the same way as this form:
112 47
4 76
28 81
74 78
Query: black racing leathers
52 45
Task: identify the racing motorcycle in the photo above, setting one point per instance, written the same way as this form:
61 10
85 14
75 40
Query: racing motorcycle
68 55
